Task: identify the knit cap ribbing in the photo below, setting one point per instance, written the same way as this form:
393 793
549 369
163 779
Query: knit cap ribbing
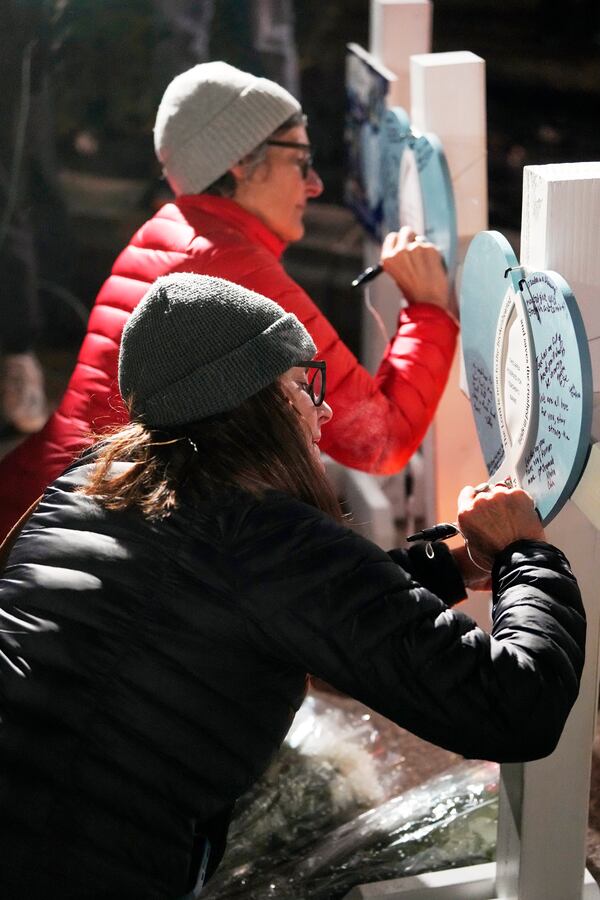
196 346
210 117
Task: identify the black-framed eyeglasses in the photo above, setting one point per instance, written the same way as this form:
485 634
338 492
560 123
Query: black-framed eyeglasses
306 163
315 386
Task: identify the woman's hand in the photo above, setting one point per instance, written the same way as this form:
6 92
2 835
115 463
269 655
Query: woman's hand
417 268
493 516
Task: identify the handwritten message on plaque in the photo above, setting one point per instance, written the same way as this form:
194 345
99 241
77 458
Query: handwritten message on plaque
528 371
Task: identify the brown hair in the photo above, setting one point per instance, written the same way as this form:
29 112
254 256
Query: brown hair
258 445
225 184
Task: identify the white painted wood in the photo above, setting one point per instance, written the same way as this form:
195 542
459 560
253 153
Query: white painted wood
560 223
544 805
469 883
448 99
397 29
447 96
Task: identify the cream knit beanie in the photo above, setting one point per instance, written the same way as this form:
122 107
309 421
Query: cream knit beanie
210 117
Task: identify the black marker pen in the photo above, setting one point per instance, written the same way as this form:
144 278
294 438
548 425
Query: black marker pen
440 532
368 275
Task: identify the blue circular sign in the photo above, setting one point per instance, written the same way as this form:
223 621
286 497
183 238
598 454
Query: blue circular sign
528 371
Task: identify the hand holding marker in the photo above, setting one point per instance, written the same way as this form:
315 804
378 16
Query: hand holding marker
373 271
506 515
444 530
418 269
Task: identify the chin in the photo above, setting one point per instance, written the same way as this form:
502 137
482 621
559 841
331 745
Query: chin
292 237
292 234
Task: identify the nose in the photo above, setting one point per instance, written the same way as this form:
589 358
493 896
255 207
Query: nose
325 413
313 184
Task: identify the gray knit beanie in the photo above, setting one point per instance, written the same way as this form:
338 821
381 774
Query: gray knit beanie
196 346
210 117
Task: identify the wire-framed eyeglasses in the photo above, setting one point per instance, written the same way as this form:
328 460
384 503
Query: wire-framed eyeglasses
315 386
306 163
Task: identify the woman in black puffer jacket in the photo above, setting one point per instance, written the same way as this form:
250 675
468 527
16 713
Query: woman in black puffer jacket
162 608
